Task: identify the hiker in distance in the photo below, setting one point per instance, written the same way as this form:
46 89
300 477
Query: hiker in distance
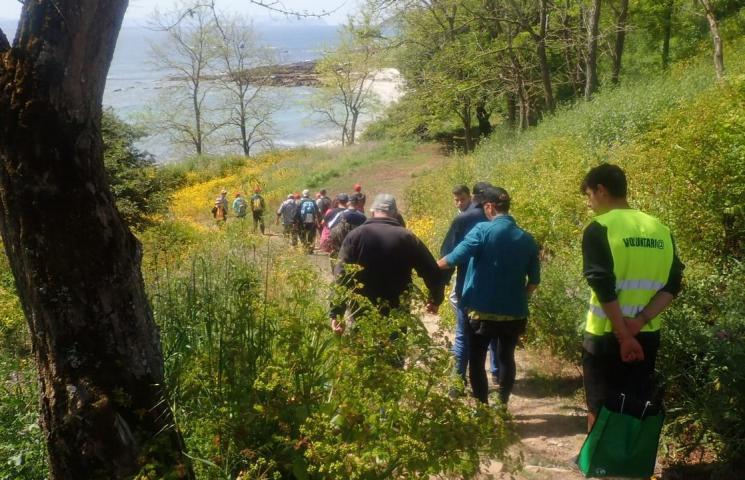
503 271
286 214
387 254
633 269
240 207
258 205
307 219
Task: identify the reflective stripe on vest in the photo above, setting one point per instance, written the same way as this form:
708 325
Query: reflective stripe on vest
642 251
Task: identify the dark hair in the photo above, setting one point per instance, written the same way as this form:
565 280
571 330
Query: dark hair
607 175
461 190
499 197
357 198
478 191
323 191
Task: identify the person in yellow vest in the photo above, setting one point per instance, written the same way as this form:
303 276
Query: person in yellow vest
632 267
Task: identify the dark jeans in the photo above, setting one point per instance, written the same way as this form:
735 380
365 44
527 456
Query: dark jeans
507 334
258 220
307 236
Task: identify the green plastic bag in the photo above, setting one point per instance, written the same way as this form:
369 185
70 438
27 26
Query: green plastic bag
624 440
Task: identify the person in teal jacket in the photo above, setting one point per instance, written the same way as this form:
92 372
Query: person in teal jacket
503 271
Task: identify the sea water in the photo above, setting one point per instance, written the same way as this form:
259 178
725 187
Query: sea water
134 84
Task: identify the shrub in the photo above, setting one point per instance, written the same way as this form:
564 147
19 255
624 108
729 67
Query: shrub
139 190
262 388
702 355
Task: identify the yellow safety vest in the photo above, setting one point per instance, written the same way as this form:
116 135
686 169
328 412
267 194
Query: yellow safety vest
642 251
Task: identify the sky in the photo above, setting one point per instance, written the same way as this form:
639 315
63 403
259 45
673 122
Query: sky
140 9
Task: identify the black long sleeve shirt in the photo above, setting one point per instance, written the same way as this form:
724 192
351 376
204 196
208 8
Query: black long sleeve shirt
387 254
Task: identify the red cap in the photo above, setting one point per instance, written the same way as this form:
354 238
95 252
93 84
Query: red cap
357 187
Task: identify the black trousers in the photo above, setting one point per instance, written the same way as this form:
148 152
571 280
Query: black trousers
482 333
606 375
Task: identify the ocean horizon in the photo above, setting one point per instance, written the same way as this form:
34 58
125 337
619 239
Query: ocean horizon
134 84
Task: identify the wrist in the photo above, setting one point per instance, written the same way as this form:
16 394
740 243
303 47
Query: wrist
643 317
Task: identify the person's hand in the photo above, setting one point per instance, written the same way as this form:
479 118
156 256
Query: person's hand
432 308
337 326
631 350
634 325
443 264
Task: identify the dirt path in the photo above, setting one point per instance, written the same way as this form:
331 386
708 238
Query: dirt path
546 403
546 406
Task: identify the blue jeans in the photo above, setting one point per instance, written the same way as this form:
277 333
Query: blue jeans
461 341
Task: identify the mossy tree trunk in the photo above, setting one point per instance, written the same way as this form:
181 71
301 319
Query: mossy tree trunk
591 63
76 265
621 18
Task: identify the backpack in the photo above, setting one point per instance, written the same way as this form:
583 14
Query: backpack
308 211
324 204
339 233
218 211
241 211
257 203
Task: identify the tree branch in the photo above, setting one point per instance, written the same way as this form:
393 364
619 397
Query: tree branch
4 44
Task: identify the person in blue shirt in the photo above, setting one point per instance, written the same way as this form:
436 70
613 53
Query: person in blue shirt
471 213
503 271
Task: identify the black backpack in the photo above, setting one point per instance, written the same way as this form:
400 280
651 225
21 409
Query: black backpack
339 232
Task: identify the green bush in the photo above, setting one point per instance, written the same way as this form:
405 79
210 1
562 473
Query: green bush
22 448
138 188
680 139
558 309
702 357
262 388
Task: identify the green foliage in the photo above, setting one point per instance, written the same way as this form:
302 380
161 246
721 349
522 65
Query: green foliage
139 190
702 357
22 449
13 332
679 137
558 308
261 387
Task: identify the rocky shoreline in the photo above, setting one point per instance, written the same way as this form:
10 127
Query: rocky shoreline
298 74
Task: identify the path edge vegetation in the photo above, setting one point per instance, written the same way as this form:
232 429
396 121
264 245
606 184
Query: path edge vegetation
712 330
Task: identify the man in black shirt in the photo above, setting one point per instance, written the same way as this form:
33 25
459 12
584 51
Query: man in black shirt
387 253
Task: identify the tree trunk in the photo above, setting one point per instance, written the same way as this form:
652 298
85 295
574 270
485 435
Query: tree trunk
353 127
197 121
715 38
75 263
548 91
244 138
591 69
667 29
573 64
482 115
511 110
620 40
465 116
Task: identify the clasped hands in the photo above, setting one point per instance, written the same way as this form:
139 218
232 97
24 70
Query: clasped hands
631 349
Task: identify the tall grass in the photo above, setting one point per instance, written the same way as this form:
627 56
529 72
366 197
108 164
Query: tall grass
261 388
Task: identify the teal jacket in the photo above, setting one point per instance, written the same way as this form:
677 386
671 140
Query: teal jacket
502 259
